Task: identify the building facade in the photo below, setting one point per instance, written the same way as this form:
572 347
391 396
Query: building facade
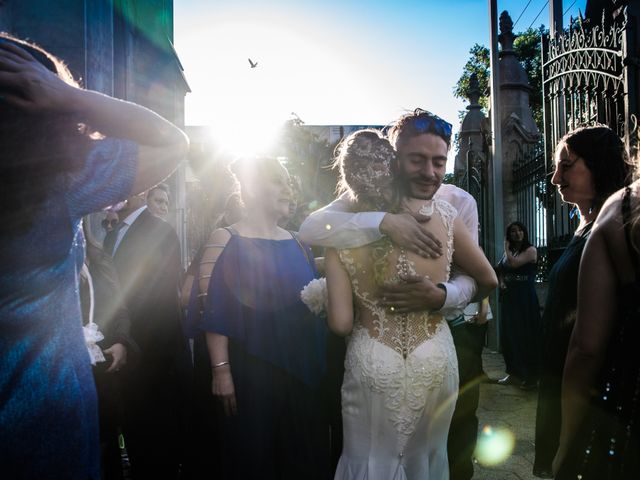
123 48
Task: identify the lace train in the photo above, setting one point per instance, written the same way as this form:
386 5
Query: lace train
396 412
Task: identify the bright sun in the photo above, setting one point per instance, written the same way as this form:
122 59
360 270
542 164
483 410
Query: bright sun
246 132
246 106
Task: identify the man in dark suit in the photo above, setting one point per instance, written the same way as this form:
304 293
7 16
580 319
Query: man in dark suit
146 253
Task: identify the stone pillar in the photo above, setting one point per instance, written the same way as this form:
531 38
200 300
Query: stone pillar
519 130
470 171
470 138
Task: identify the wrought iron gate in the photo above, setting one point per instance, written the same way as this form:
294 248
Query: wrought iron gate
530 188
589 76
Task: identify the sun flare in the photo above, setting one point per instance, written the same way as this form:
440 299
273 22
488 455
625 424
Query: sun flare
242 136
297 70
494 445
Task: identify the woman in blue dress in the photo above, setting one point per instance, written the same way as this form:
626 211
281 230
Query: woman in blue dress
52 173
520 327
267 349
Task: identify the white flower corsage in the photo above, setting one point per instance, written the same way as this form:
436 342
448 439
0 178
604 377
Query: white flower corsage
315 297
91 337
91 333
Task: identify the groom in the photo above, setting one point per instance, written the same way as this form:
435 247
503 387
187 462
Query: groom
422 141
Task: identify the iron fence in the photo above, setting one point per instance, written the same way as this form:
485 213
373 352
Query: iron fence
588 77
531 189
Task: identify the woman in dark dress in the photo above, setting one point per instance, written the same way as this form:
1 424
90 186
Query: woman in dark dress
600 436
521 328
267 349
590 164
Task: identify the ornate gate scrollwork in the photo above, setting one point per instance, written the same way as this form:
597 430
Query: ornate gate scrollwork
588 77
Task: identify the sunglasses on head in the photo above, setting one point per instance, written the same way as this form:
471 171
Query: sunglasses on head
109 223
425 122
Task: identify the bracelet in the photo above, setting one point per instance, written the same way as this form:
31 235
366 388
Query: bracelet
221 364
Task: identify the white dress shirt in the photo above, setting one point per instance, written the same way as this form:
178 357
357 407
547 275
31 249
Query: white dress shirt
126 223
334 226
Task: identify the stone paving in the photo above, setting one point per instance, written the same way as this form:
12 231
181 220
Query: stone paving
500 407
513 409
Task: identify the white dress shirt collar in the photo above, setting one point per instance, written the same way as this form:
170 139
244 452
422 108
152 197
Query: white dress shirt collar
127 222
133 216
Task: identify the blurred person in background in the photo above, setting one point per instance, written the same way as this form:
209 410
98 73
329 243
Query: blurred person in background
110 221
233 211
158 201
521 328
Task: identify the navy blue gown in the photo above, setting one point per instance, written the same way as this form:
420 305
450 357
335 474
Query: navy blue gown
607 443
520 322
48 410
277 351
558 319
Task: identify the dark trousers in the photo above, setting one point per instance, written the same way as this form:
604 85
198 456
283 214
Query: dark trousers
109 413
155 417
203 445
463 432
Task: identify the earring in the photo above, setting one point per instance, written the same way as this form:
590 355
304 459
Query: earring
574 212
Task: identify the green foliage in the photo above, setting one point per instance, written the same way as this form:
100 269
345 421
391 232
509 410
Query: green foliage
528 48
478 63
449 178
308 159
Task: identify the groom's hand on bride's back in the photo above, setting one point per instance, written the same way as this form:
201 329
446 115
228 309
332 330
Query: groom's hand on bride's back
416 294
405 230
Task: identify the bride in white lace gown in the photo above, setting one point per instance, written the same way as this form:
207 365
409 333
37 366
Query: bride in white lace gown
401 374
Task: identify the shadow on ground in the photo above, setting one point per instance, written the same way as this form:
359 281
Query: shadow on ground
507 408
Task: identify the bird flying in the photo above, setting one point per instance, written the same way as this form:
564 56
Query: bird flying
253 64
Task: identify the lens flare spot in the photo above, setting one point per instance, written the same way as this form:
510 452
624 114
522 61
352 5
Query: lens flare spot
494 445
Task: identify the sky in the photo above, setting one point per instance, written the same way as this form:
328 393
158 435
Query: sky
331 62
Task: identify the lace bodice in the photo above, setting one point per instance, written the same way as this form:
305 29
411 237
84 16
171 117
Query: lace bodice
383 263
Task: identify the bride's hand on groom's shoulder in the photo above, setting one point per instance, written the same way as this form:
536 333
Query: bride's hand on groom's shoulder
405 230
